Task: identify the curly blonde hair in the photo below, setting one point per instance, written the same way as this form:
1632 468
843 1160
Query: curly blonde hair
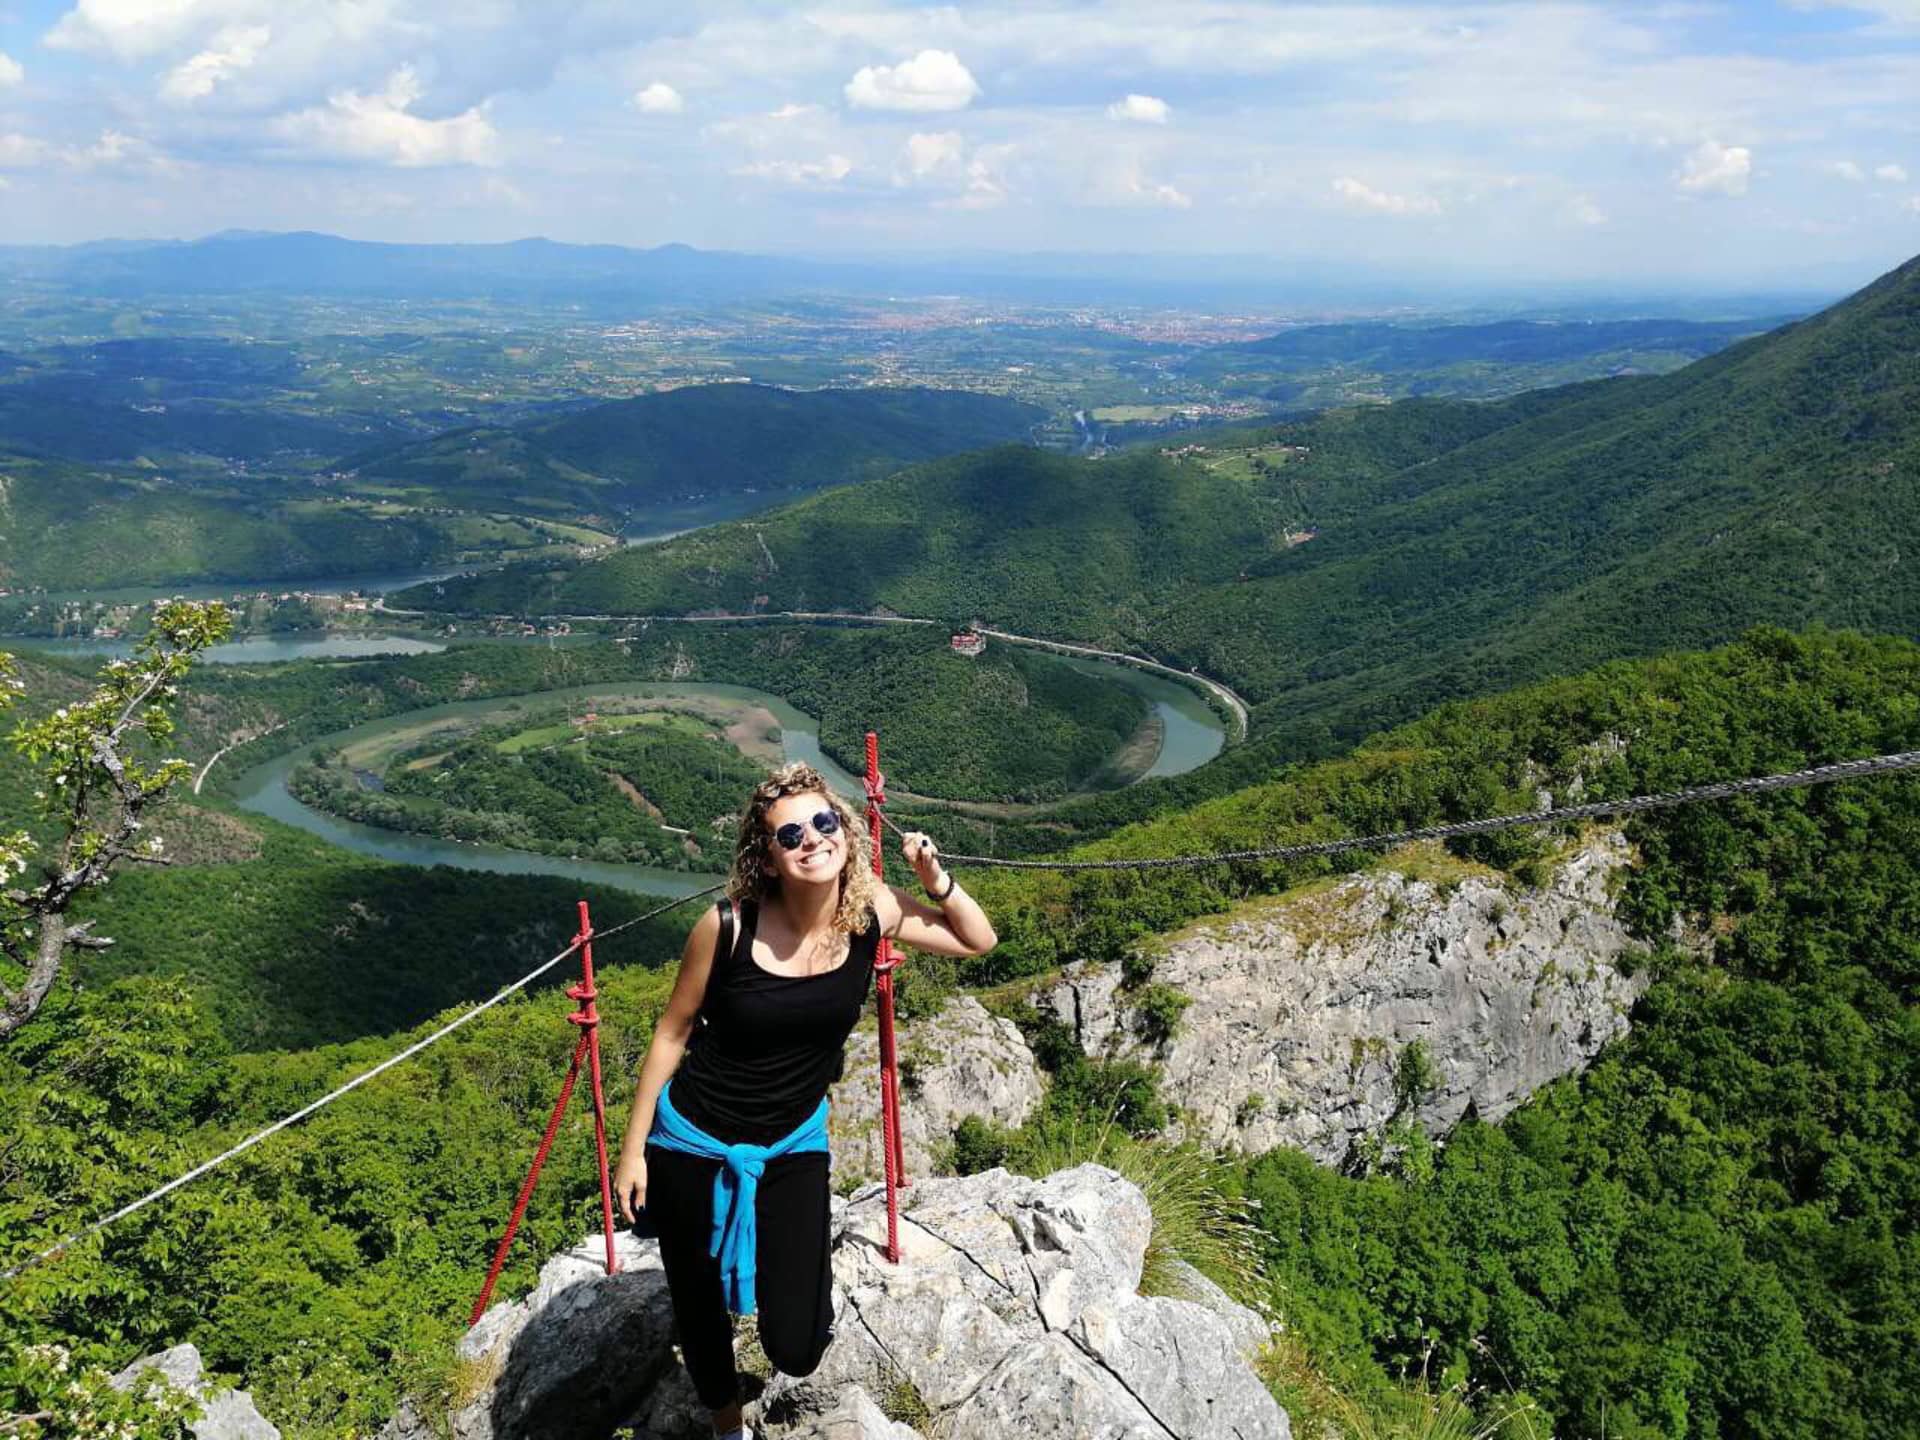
753 876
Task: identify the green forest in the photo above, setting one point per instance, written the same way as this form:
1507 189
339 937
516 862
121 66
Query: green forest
698 442
1712 1232
661 794
1461 547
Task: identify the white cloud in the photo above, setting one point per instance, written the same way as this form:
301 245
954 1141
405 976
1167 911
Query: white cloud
933 154
116 150
791 111
232 51
130 29
1121 179
985 187
659 98
10 71
1148 109
931 80
829 171
1581 210
497 191
19 151
1713 166
1894 15
380 127
111 148
1363 196
1847 170
938 160
1893 174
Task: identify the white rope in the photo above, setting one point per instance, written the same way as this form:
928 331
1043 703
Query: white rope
385 1065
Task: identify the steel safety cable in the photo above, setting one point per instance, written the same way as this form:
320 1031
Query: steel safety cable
355 1083
1661 800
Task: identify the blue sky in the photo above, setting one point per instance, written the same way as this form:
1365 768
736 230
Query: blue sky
1715 145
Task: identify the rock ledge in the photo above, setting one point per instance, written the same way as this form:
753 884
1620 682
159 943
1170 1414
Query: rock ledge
1015 1310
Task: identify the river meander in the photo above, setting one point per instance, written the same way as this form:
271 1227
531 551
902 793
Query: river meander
1191 734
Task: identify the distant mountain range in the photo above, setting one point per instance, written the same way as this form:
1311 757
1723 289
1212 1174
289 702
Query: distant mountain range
1409 347
305 262
309 263
1459 548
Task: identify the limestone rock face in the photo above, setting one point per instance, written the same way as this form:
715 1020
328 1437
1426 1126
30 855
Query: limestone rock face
582 1354
964 1061
856 1417
1303 1016
1014 1311
229 1415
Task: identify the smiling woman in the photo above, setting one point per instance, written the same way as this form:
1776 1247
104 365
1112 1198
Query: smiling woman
729 1156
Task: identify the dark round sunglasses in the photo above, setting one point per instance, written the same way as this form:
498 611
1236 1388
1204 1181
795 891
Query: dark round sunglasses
793 832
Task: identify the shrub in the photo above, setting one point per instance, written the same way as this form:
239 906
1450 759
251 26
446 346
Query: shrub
1158 1011
978 1144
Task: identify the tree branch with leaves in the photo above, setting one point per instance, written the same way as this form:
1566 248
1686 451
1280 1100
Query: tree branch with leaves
98 789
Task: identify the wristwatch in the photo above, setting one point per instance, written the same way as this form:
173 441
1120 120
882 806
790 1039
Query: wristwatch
952 880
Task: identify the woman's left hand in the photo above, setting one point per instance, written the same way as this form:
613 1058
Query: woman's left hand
924 856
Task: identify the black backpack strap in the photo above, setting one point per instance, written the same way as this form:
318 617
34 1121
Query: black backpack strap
723 943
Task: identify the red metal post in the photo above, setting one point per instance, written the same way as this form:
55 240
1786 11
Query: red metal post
883 964
588 1019
526 1190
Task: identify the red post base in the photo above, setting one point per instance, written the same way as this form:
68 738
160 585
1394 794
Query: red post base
588 1047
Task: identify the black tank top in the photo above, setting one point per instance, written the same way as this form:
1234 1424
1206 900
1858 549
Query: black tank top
768 1046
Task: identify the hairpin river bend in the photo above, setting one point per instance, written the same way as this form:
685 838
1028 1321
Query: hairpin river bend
1191 734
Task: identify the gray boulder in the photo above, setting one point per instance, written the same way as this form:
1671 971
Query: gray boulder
1305 1009
856 1417
583 1353
963 1061
226 1415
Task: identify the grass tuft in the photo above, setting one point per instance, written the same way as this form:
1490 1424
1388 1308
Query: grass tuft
1197 1219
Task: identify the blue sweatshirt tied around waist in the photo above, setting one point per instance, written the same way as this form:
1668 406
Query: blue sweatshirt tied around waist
735 1187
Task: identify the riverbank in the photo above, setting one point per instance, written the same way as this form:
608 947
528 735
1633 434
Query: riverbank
762 725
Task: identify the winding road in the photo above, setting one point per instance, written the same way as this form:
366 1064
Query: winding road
1235 705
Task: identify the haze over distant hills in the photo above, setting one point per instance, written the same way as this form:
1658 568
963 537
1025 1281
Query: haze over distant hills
1460 547
699 442
71 524
536 269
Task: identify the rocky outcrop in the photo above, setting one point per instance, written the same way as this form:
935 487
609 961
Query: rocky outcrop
1014 1310
226 1415
583 1353
1309 1014
961 1062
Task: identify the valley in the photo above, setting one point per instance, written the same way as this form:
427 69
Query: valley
531 587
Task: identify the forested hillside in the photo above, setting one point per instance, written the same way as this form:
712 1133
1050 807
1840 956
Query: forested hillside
1318 367
1711 1233
700 442
1455 548
1067 547
67 525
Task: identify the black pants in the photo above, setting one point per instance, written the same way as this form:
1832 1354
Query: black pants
792 1281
